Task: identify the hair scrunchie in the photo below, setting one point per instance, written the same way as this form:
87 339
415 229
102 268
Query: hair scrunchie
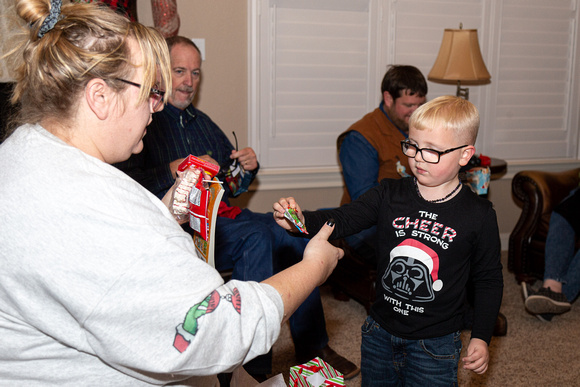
51 19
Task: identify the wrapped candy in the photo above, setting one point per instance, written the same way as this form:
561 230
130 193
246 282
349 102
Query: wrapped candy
290 214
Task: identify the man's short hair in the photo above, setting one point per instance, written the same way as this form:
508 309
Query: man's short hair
173 40
404 77
448 112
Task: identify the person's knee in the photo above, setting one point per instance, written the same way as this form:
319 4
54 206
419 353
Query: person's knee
258 235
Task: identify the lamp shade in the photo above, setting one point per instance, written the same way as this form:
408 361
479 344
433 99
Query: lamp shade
459 59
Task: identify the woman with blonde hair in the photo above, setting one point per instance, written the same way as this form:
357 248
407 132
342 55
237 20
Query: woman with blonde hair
99 285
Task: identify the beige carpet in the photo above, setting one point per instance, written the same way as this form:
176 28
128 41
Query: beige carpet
533 353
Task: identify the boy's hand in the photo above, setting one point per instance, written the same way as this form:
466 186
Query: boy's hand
477 358
280 207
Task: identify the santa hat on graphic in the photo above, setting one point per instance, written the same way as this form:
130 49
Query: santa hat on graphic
417 250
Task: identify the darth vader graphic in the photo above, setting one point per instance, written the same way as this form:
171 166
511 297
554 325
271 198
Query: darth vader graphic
412 272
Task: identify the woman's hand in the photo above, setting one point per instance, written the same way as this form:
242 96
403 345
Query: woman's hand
297 282
170 198
321 252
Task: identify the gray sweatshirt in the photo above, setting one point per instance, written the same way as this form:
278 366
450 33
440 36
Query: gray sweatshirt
100 286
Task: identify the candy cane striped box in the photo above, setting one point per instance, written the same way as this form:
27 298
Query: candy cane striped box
315 373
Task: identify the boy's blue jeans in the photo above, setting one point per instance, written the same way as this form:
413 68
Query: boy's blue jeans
387 360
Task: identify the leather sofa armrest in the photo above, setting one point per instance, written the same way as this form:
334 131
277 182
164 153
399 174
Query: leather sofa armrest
551 187
537 193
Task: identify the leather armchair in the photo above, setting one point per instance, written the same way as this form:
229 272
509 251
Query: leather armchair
537 193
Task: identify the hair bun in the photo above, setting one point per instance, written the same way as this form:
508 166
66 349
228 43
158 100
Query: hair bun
34 11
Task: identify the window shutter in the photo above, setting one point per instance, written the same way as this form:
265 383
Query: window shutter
536 96
315 74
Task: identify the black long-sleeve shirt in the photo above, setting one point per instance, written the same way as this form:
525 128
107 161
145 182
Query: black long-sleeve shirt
427 254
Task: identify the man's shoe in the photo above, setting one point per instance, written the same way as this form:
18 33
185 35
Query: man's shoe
527 291
501 324
348 369
545 301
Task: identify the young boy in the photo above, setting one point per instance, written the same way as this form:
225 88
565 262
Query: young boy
434 235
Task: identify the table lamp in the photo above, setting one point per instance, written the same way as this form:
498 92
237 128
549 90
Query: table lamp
459 60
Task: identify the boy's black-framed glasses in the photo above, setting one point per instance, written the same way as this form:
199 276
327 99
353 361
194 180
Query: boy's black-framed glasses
155 94
430 156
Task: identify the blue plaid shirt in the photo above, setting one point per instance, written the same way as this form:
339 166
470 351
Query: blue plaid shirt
174 134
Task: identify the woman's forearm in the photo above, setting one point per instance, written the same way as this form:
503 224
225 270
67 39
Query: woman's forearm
297 282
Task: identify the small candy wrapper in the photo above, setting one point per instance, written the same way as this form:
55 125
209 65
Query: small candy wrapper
233 174
315 373
290 214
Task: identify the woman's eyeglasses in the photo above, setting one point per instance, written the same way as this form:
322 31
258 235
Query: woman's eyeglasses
155 94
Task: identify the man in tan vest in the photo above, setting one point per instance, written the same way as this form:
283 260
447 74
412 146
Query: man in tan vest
370 150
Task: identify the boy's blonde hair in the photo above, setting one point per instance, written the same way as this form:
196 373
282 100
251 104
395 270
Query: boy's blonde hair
449 113
88 41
